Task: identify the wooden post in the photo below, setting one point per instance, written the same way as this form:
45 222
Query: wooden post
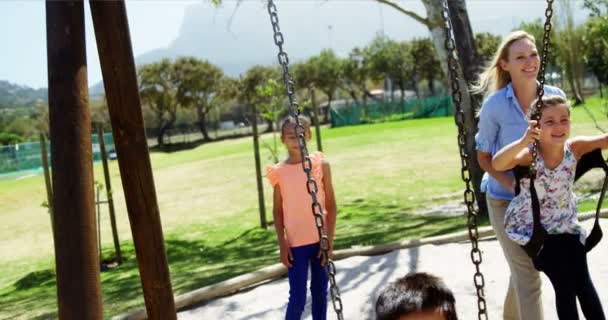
120 82
258 166
98 203
315 115
106 174
77 263
47 179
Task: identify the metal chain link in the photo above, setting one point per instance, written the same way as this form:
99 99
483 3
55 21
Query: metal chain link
469 195
311 184
541 79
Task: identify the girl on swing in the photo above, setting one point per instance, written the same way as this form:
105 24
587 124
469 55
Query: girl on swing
563 257
509 84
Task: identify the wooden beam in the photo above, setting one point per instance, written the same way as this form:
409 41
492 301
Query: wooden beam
120 82
77 262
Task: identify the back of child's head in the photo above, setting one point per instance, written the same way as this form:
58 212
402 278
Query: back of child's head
549 101
416 293
289 123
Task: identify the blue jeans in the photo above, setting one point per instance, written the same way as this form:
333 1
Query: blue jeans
303 257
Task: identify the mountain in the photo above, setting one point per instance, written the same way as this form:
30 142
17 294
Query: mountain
20 96
238 35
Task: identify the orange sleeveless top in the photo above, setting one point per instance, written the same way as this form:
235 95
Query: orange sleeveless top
299 221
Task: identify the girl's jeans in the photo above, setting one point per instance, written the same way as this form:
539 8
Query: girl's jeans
303 257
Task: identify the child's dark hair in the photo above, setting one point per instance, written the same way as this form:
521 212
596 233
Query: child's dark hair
292 120
416 292
552 100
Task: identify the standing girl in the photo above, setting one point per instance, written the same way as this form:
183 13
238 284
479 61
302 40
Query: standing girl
563 257
297 234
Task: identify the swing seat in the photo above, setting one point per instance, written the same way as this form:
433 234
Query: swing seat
591 160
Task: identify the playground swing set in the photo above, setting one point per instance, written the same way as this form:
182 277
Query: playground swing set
76 248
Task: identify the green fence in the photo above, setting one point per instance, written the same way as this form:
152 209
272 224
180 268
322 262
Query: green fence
391 111
27 156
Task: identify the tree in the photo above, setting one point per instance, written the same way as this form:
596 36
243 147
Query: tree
569 42
598 8
41 114
255 77
355 74
470 65
157 91
596 47
271 100
197 86
426 62
327 75
390 59
100 117
487 45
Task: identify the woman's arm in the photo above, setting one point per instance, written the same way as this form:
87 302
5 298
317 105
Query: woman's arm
485 162
485 140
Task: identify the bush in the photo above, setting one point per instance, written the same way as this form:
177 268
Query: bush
9 138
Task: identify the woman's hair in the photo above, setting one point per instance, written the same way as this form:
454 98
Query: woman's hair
494 78
416 292
289 120
547 102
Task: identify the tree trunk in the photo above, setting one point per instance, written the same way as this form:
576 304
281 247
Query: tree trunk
579 86
326 111
270 126
464 41
578 99
202 126
415 87
161 136
315 115
353 95
160 131
431 86
258 167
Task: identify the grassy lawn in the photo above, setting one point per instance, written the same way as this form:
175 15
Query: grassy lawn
208 204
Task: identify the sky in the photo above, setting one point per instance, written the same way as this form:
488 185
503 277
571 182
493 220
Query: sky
309 25
23 34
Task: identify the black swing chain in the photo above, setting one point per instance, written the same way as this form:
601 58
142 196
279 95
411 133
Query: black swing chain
541 79
311 184
469 195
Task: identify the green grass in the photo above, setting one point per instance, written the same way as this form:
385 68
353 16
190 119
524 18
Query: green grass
208 204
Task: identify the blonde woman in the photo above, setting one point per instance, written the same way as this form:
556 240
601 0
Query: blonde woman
510 86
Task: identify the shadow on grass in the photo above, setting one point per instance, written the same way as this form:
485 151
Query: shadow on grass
208 259
182 146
